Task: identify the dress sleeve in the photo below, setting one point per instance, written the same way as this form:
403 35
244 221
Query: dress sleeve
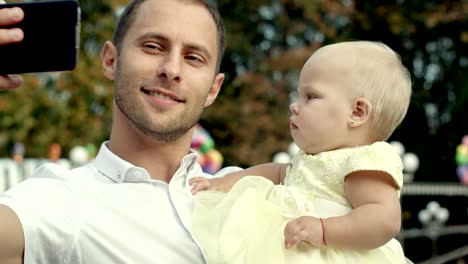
45 207
379 156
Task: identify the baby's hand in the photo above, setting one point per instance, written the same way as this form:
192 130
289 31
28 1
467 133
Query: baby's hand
199 184
304 228
205 184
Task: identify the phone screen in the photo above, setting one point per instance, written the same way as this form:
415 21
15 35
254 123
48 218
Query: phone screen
51 38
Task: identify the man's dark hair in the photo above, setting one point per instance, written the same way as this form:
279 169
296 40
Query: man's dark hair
128 17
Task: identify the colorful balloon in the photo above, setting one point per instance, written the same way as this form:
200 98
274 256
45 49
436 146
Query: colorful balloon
462 173
461 158
18 152
210 159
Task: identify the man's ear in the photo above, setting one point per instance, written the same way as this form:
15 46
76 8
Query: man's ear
214 90
109 60
362 110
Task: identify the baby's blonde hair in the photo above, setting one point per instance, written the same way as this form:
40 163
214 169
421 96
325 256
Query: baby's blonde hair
379 76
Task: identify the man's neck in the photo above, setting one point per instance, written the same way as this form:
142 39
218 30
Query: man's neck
160 159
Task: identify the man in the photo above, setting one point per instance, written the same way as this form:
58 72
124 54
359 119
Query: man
133 203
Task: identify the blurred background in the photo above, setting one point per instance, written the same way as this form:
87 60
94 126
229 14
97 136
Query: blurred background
268 42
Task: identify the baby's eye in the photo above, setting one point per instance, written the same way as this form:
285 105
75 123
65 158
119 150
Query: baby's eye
310 97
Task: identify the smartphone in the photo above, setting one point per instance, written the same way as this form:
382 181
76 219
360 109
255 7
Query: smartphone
51 38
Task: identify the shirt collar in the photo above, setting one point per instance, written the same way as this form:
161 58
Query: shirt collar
119 170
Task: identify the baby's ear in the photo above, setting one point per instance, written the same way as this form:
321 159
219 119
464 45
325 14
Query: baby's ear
362 110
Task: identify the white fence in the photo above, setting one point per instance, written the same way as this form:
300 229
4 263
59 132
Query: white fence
11 173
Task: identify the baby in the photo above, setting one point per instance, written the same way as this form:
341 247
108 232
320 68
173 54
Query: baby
338 199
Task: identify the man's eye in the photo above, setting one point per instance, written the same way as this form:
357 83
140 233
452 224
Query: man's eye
310 97
191 58
152 46
194 58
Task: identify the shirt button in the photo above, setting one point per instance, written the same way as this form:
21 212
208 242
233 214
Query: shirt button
138 174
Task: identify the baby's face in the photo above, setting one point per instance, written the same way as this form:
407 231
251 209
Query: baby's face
320 115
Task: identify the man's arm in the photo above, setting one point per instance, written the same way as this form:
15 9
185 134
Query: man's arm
11 237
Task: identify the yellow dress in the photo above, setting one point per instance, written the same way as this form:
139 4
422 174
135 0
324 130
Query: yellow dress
246 225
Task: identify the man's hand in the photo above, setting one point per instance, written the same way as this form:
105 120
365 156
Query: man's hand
303 229
10 16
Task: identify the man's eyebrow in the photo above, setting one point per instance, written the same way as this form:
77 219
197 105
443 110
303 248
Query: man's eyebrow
152 35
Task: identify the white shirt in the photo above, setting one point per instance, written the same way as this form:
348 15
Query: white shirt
107 211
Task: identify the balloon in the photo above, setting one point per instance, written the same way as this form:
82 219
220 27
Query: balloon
78 155
92 150
461 158
18 152
461 155
201 140
410 162
282 157
213 160
293 149
210 159
399 148
462 173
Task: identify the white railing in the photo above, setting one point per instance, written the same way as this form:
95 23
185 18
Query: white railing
12 173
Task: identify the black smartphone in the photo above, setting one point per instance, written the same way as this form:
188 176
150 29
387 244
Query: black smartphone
51 38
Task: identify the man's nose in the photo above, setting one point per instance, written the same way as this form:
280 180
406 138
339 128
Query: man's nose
171 68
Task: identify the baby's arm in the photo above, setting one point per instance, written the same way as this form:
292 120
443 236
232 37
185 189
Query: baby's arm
275 172
375 219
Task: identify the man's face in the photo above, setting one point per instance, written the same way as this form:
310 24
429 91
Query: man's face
165 71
